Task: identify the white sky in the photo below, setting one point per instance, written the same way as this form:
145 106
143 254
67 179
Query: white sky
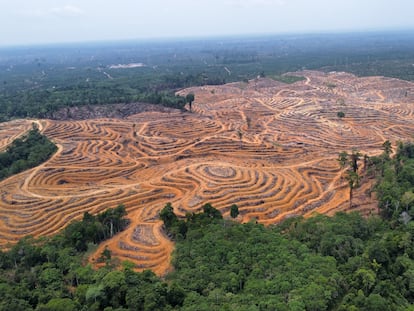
49 21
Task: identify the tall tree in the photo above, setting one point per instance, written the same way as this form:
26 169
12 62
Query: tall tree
190 98
234 211
354 158
211 212
387 147
167 216
353 182
352 172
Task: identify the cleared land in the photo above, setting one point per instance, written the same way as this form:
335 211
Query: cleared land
12 130
283 165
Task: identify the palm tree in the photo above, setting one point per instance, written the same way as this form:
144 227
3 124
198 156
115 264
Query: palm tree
353 182
354 157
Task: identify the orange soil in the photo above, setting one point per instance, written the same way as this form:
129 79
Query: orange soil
285 165
12 130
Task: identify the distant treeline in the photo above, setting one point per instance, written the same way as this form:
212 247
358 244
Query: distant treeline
38 81
26 152
42 103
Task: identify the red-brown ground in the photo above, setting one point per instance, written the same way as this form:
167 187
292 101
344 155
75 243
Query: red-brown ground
284 165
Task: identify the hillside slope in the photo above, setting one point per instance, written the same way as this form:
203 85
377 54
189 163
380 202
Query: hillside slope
269 147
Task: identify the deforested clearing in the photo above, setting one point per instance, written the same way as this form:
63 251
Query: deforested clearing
269 147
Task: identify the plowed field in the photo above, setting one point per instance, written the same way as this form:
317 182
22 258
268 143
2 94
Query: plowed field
269 147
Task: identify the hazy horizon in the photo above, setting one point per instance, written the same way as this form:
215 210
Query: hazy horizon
27 22
227 37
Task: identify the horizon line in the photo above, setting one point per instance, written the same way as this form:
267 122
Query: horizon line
190 38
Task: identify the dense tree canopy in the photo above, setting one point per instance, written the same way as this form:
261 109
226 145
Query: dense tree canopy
26 152
396 180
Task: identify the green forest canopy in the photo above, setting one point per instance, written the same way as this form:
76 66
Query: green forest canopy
26 152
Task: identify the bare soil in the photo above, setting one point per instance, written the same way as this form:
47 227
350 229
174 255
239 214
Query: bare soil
285 163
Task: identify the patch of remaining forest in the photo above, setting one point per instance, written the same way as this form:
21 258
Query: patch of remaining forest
269 147
105 111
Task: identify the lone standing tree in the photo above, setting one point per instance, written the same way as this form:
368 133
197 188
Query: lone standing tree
353 182
340 114
190 98
352 172
354 158
234 211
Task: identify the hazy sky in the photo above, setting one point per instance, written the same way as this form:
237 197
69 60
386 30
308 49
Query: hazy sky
46 21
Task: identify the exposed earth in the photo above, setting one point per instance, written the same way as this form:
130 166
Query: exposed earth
271 148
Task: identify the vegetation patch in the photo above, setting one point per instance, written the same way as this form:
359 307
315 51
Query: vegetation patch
330 85
395 182
26 152
340 114
288 79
